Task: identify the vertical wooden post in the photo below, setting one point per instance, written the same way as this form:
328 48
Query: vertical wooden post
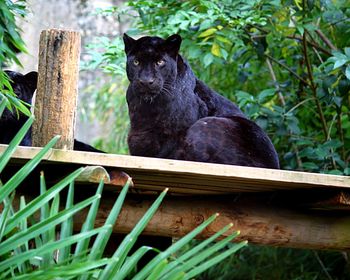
56 97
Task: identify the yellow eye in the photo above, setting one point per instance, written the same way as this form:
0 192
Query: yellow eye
136 62
160 62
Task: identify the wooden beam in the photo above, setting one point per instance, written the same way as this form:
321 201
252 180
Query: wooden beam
56 97
270 219
258 221
191 177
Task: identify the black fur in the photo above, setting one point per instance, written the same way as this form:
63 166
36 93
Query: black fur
175 115
24 87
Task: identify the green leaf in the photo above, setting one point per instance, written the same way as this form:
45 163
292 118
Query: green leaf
54 210
347 72
332 144
195 250
5 157
207 32
347 52
244 98
67 225
208 59
102 239
340 62
205 24
65 271
89 223
196 271
300 29
340 59
158 270
40 227
129 265
224 53
203 255
173 248
119 256
27 168
334 172
49 248
45 213
41 202
223 39
310 166
5 214
215 50
19 105
3 105
266 95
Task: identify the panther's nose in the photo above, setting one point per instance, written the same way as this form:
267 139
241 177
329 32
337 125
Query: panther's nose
146 82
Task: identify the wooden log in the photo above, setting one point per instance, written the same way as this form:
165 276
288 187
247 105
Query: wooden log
56 98
258 221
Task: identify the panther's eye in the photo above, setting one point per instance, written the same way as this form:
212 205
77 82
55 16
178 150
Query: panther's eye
160 62
136 62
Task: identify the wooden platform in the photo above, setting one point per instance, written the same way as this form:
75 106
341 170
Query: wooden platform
271 207
191 177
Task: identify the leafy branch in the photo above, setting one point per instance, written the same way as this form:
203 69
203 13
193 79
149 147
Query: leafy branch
313 86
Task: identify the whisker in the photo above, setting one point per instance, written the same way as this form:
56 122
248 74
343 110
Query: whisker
167 90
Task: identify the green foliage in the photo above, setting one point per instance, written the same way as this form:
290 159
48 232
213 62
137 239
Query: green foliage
105 101
262 262
11 44
286 63
9 32
30 248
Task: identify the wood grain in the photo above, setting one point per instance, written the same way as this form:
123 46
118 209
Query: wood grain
56 97
191 177
258 221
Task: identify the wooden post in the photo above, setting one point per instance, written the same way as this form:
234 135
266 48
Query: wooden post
56 98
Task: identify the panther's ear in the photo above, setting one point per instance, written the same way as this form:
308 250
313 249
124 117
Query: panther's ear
31 79
173 44
128 43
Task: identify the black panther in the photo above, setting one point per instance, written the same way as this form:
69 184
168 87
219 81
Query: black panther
175 115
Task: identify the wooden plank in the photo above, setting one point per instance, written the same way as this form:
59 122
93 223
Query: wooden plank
56 98
226 178
177 190
259 222
199 184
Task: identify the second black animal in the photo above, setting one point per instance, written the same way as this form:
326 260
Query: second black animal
24 87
